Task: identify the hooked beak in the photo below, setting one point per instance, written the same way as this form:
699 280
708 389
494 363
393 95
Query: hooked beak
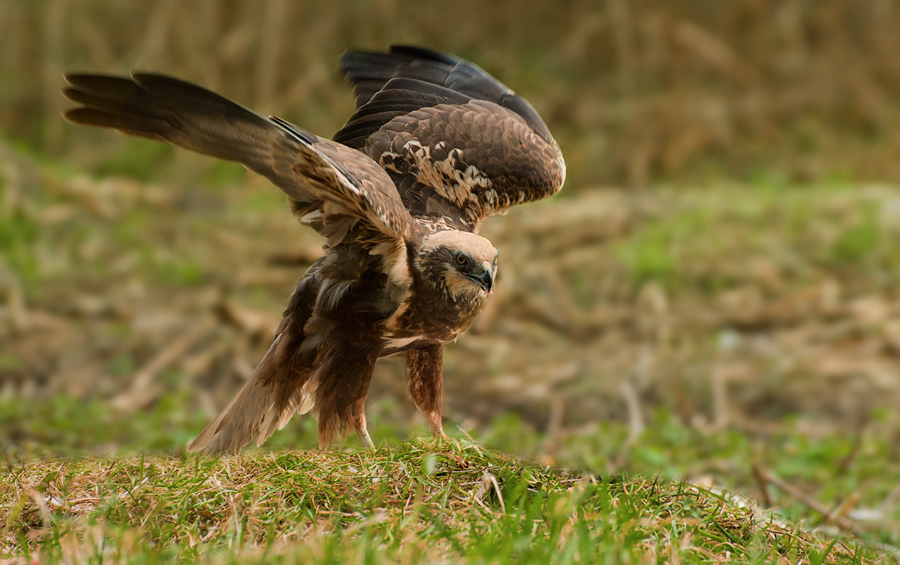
485 280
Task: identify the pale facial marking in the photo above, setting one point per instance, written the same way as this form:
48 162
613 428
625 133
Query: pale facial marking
458 285
455 282
475 245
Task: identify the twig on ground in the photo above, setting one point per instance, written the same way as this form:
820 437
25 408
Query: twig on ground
488 480
635 423
847 461
496 485
842 510
836 518
762 483
554 430
139 392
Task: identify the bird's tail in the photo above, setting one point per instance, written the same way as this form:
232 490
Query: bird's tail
282 384
278 388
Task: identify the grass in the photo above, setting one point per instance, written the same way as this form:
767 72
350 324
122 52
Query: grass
408 502
668 494
691 237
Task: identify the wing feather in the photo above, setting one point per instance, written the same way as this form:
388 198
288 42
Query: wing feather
458 143
350 192
398 97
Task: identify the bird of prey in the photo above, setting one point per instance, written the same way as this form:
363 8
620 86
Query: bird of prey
435 146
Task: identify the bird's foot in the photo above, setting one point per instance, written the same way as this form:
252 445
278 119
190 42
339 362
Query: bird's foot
436 424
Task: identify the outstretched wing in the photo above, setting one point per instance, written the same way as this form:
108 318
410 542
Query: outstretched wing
338 191
458 143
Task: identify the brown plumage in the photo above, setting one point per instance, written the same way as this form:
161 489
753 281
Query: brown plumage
435 146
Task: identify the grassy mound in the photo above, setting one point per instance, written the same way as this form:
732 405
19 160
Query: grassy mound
411 502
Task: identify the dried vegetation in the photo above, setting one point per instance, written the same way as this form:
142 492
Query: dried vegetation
730 306
741 332
635 91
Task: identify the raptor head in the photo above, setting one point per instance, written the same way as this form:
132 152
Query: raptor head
461 263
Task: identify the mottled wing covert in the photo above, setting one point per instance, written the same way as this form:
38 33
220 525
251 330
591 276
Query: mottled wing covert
479 157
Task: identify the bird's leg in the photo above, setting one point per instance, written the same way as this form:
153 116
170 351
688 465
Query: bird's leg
362 432
424 368
341 395
357 420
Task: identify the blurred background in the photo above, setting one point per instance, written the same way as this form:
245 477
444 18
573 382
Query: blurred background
722 258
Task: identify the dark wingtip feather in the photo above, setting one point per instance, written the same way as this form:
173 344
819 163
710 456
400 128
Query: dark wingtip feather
84 97
82 79
149 127
101 83
81 116
416 52
71 116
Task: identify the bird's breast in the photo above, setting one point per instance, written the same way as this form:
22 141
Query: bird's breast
431 318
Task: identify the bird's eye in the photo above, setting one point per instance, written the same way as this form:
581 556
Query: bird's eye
460 259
